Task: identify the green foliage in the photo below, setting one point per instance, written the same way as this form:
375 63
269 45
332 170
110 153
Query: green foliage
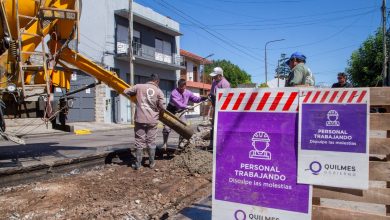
263 85
365 65
233 73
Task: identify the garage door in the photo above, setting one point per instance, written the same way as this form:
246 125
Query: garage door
84 102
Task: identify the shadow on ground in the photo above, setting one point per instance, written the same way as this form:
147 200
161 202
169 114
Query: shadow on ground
199 211
12 156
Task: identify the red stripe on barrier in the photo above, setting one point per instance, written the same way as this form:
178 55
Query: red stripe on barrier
219 96
316 97
276 101
227 101
352 96
248 105
263 101
333 96
290 100
307 97
239 100
342 96
361 97
324 97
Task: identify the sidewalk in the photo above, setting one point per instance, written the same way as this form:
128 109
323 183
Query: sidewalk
32 127
46 146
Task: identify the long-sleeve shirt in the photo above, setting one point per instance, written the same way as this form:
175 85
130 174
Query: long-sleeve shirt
221 84
150 101
180 100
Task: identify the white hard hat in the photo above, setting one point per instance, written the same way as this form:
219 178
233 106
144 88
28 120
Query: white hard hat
333 113
217 71
261 136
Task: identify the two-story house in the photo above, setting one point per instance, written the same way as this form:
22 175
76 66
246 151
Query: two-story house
104 39
156 46
197 81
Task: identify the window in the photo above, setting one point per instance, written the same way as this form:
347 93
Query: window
122 38
122 41
137 47
163 51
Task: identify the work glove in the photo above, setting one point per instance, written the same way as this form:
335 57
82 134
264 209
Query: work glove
204 98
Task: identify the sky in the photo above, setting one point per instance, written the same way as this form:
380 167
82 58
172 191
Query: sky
326 32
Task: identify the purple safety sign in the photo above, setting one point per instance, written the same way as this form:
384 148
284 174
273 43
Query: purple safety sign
333 137
255 156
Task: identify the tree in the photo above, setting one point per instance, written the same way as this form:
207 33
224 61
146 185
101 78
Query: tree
233 73
366 63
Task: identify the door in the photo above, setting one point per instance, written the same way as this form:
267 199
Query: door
83 109
115 107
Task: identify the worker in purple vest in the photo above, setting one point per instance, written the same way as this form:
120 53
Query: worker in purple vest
219 82
178 102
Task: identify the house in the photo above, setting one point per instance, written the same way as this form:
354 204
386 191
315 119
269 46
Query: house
104 39
197 81
156 49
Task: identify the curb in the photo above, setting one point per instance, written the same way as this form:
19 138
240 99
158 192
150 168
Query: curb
23 175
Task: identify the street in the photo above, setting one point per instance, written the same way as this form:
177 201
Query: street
49 149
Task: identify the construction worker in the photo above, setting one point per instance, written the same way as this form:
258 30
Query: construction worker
179 102
300 74
219 82
150 102
342 81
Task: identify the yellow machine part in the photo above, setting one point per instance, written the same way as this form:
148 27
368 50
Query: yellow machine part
30 8
61 30
113 81
59 78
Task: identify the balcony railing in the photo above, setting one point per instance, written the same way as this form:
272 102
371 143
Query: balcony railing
150 53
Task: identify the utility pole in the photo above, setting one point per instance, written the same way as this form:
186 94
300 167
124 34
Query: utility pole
131 57
384 70
265 58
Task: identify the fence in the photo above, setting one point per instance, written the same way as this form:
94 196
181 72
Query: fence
335 203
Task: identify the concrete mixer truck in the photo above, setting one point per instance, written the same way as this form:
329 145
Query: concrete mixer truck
35 55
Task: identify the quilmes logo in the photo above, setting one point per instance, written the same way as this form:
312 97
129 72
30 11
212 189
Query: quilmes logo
315 167
260 143
333 117
241 215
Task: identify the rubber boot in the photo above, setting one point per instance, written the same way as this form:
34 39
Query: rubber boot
152 153
165 139
138 157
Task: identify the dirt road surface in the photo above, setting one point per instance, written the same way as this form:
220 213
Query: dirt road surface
114 191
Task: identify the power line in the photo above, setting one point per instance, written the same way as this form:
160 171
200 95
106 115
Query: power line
92 41
283 19
284 24
326 38
200 25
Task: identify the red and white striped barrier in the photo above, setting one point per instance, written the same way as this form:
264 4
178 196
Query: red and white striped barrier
334 96
252 100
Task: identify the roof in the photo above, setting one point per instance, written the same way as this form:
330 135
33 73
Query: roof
150 22
195 57
198 85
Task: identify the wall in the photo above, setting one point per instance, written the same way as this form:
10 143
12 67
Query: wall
97 31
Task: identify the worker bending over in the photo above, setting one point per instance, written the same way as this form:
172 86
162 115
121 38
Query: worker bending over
178 102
